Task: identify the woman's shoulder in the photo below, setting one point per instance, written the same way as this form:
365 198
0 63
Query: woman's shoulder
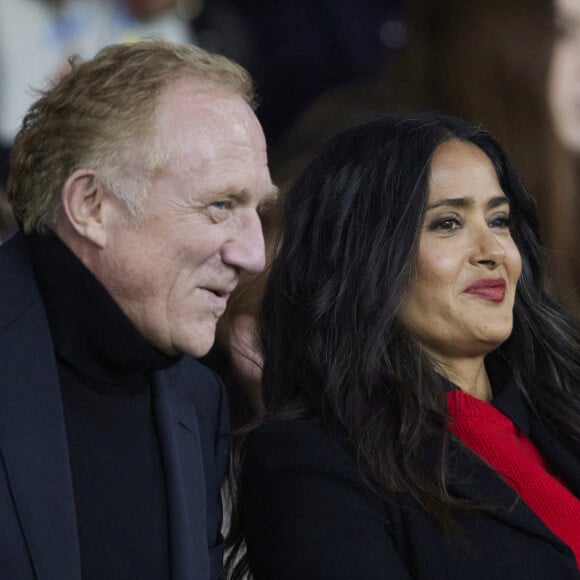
308 513
293 435
286 431
299 445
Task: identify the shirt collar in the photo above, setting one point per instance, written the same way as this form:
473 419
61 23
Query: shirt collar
89 330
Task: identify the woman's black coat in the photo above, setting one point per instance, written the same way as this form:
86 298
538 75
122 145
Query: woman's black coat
309 516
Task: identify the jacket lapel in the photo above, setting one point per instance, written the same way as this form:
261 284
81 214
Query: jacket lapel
470 478
182 457
563 455
32 431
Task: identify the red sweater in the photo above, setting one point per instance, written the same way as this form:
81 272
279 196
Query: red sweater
501 444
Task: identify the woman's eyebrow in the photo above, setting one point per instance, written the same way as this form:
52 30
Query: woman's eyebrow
463 202
497 201
451 201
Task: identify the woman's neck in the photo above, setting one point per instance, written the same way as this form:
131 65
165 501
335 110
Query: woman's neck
469 375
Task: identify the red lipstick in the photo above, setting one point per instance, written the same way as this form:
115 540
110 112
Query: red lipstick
488 289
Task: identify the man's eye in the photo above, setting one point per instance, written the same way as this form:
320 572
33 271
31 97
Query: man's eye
221 205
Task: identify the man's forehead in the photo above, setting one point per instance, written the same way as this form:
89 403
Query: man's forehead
197 93
187 108
210 130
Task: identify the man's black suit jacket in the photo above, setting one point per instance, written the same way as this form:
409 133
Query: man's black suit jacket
38 533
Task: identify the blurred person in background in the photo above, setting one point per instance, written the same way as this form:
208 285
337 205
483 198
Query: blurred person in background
564 86
564 98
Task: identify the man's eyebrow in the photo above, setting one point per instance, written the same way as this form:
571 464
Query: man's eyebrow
463 202
243 195
269 200
272 197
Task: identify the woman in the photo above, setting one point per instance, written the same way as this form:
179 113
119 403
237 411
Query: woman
422 388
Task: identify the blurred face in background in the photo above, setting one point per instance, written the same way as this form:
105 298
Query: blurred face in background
564 77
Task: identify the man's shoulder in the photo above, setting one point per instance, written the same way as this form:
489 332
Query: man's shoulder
12 249
18 288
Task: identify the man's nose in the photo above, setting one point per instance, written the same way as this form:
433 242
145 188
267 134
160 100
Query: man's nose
246 250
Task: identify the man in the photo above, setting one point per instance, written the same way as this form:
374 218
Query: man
137 181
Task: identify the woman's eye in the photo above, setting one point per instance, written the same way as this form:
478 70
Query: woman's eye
501 221
445 224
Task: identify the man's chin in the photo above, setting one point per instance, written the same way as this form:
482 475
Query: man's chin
196 348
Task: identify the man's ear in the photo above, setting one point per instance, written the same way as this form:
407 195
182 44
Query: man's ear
82 199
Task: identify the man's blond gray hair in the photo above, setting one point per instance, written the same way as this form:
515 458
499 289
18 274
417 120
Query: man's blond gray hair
100 117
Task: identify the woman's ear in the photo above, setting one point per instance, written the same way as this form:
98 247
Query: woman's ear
82 199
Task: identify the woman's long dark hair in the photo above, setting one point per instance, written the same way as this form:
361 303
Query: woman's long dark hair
334 347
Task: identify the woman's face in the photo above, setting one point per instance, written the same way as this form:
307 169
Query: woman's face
461 304
564 77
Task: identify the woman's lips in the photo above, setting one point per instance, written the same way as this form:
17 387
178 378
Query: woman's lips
488 289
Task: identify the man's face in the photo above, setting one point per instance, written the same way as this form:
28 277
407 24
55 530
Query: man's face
172 273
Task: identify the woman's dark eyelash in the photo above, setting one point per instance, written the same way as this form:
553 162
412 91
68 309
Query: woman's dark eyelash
438 223
504 219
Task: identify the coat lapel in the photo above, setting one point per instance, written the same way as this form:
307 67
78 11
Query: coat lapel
563 455
182 456
470 478
32 431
